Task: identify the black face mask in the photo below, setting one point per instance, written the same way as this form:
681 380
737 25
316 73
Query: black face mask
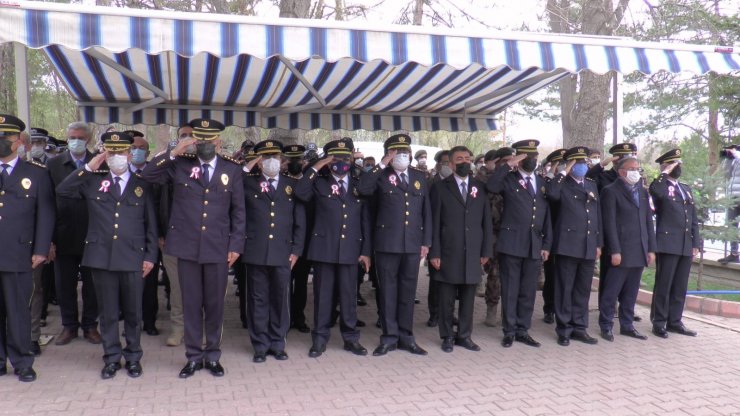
529 164
462 169
205 151
676 172
6 148
294 167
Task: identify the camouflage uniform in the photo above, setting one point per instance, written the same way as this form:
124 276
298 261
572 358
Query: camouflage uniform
493 282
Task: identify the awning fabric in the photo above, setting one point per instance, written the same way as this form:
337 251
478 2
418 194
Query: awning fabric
153 67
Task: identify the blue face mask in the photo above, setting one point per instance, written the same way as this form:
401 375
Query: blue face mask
579 170
138 156
77 146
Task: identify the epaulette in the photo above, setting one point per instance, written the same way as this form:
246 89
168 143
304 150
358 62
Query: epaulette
589 179
187 155
37 164
231 159
138 175
289 175
417 169
254 174
101 171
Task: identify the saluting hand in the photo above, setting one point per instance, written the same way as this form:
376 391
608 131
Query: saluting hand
323 162
609 160
98 160
670 167
569 166
514 161
146 268
388 157
181 146
252 163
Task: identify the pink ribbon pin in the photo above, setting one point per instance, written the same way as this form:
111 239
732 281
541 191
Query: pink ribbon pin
335 189
393 180
195 173
474 192
522 183
671 191
265 187
104 186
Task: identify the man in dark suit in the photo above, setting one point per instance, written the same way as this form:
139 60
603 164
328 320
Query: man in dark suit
577 242
526 229
206 235
441 159
274 241
462 241
629 240
403 233
69 243
678 241
26 227
120 247
240 268
340 239
557 164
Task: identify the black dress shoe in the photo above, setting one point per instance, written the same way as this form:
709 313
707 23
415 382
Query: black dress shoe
383 349
215 368
508 341
26 375
637 318
413 348
526 340
416 301
584 337
632 333
3 370
731 258
360 323
133 368
259 357
432 323
245 325
680 329
279 355
563 340
35 348
549 318
361 301
607 334
190 368
355 348
109 371
378 324
151 331
467 343
448 344
316 350
660 332
302 327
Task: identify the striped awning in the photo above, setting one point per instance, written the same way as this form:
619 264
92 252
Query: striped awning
153 67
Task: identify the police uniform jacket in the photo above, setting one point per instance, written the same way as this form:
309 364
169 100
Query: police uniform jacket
26 216
403 217
207 221
526 227
462 230
121 233
341 223
628 229
71 224
577 230
677 228
277 223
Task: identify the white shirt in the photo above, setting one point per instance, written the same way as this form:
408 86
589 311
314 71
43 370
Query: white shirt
125 176
532 178
344 179
12 164
274 180
676 185
460 181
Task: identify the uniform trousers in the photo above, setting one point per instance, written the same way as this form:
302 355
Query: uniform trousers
398 274
299 291
15 318
572 292
548 288
518 289
448 292
622 284
669 294
240 273
433 294
176 319
203 287
37 301
119 291
67 270
150 300
327 278
268 306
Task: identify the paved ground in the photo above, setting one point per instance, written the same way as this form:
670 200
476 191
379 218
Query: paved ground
676 376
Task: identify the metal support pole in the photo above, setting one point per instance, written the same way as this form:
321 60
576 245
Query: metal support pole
617 107
21 83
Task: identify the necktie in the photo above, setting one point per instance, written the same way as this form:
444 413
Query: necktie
680 191
117 187
636 195
4 174
464 191
206 176
272 186
530 188
404 179
138 171
341 187
79 163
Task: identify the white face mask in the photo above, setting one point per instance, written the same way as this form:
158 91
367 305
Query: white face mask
421 161
595 161
117 163
37 152
271 167
77 146
632 177
445 171
400 161
22 152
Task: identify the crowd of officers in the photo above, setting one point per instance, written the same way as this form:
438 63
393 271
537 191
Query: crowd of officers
275 212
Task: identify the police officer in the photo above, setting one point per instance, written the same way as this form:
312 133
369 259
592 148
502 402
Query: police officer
274 241
39 141
526 229
678 241
26 227
577 242
462 242
240 269
339 240
629 240
403 234
557 165
206 235
120 247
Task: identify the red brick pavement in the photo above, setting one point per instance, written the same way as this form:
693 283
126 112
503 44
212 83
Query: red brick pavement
677 376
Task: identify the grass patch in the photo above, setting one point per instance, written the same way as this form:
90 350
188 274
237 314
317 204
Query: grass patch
648 281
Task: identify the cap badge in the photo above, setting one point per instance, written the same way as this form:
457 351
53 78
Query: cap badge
580 150
205 123
268 144
2 119
678 152
115 138
532 143
402 139
340 144
626 147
